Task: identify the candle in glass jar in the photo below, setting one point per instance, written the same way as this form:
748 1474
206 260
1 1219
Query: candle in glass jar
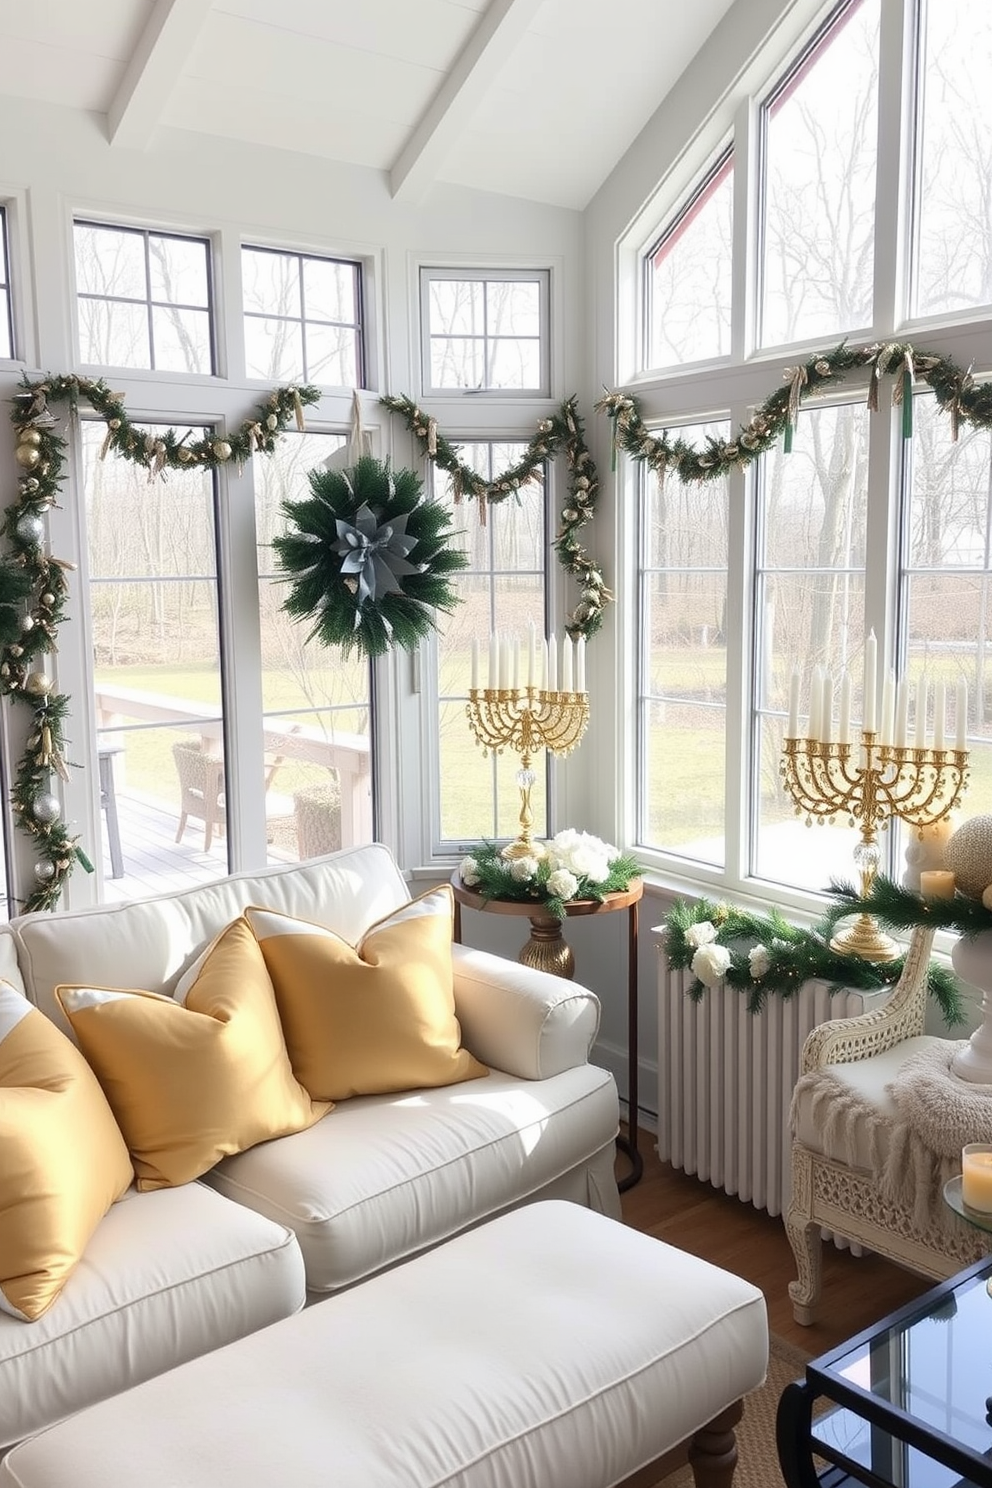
976 1176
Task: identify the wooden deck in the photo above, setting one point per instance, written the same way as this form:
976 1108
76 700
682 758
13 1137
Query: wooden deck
155 863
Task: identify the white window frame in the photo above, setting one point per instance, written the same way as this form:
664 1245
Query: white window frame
541 277
733 390
361 326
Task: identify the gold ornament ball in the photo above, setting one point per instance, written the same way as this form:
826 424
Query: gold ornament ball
27 456
968 855
29 436
222 449
38 684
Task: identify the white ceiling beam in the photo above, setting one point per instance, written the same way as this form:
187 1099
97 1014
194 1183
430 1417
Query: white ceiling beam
503 24
150 76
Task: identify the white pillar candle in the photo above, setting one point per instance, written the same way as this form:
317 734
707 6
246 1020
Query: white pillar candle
938 715
844 722
887 724
920 736
827 714
580 664
870 682
552 663
961 738
493 681
792 728
815 703
902 713
531 654
475 664
566 664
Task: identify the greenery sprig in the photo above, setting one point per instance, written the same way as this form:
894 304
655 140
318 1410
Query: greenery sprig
34 585
562 432
898 908
955 390
764 955
368 589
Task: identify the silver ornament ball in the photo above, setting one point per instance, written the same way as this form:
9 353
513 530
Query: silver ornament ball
38 684
44 871
30 529
46 808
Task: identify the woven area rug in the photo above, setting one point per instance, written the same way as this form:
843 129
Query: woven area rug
757 1459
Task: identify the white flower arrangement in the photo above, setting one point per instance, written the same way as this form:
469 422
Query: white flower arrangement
572 865
710 963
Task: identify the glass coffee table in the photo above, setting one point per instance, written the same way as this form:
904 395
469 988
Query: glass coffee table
909 1400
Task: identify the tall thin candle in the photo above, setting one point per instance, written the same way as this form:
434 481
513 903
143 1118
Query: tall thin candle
792 729
920 737
566 664
887 724
531 654
870 683
939 705
844 722
961 737
493 681
475 664
815 703
552 663
580 664
902 713
827 715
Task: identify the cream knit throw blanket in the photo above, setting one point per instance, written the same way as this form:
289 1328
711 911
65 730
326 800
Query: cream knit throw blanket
936 1114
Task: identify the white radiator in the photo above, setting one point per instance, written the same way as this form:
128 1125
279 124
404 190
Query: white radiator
725 1081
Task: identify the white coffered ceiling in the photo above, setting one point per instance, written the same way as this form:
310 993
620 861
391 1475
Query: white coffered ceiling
532 98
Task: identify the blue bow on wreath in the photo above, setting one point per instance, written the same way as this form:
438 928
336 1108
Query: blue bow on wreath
375 554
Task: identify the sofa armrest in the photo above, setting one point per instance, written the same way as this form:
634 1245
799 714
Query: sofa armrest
848 1040
524 1022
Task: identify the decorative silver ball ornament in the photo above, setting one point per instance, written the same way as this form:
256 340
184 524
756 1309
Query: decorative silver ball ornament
44 871
38 684
46 808
27 623
222 449
968 854
30 529
46 599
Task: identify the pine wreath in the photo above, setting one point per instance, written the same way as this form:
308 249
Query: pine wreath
368 557
15 591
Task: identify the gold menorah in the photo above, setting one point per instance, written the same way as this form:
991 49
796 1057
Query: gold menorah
526 719
871 783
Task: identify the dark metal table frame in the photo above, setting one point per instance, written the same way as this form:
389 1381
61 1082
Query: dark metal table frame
627 899
795 1426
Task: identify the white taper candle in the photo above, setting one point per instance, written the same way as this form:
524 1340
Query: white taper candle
961 736
566 664
902 714
792 729
939 708
552 663
844 722
920 737
580 664
475 664
870 683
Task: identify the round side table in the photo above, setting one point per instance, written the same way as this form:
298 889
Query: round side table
547 950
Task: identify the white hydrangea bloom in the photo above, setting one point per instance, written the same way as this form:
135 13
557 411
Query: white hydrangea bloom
710 963
701 934
562 884
759 961
469 870
523 869
582 854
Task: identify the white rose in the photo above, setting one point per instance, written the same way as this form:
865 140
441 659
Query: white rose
469 870
523 869
759 961
701 934
562 884
710 963
582 854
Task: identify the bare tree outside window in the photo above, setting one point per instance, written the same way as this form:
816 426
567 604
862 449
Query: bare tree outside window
689 276
486 332
303 318
143 299
820 129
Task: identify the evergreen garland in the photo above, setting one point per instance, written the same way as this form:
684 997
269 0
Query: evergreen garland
898 908
955 390
34 585
790 956
562 432
324 539
496 877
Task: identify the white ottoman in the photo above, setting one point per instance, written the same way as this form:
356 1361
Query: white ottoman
550 1348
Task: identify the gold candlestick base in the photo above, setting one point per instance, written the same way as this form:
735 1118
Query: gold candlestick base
865 939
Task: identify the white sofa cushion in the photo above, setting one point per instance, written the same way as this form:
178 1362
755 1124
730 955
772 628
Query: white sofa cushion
384 1177
167 1276
151 942
551 1347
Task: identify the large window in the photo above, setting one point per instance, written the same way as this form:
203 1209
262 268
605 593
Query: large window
6 316
303 318
485 332
688 276
143 299
502 592
871 163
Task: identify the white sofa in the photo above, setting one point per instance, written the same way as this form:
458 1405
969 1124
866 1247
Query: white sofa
176 1272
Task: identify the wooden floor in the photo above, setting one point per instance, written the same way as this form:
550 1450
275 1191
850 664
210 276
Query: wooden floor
700 1219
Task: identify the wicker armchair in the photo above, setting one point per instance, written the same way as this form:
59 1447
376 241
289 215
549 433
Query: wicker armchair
201 790
318 820
836 1189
